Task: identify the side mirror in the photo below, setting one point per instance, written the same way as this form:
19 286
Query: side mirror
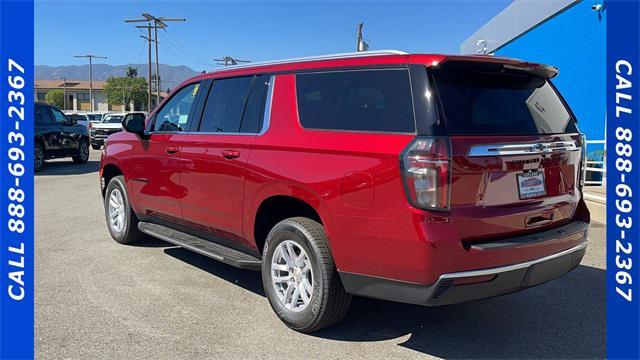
71 121
134 123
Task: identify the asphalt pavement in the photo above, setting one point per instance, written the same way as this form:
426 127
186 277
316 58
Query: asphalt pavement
98 299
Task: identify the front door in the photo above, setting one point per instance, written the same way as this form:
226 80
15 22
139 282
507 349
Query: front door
68 136
156 162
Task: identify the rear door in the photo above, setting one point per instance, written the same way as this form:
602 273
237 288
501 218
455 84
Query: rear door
47 130
515 150
214 155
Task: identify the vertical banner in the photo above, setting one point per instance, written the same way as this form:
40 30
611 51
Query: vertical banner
623 182
16 179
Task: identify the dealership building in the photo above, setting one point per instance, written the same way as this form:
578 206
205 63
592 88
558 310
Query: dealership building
567 34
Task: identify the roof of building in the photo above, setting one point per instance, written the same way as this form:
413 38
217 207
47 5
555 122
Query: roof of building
70 84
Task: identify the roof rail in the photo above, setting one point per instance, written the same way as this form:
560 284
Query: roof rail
312 58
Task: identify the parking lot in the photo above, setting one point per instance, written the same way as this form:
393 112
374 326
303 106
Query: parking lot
98 299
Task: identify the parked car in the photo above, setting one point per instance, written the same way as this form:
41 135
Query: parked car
110 124
81 119
380 174
58 136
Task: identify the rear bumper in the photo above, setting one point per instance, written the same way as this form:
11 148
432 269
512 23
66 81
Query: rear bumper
457 287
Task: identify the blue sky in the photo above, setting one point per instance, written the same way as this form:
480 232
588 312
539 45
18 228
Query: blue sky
255 31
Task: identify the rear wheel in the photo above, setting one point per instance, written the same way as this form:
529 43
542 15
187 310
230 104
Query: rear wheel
300 278
121 220
83 152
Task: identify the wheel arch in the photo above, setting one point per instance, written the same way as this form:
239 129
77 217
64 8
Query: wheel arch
280 203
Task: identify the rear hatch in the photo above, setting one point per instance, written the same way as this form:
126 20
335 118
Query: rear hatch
515 150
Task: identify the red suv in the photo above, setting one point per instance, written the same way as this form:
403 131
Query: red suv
426 179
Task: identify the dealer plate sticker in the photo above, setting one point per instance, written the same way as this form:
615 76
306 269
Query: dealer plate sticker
531 184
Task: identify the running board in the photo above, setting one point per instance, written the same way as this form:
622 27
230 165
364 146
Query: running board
201 246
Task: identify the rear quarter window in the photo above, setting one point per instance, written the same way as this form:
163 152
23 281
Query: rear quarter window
358 100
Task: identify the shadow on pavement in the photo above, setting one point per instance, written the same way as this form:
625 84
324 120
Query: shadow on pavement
564 318
248 279
67 167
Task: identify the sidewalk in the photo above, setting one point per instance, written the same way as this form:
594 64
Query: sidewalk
596 201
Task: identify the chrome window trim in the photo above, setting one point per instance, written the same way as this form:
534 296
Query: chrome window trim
266 119
522 148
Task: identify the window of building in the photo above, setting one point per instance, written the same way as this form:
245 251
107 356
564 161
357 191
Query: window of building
83 96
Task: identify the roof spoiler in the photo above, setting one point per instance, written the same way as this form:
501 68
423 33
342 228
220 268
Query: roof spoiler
539 70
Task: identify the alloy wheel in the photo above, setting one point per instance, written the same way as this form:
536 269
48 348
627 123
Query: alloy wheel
116 210
291 276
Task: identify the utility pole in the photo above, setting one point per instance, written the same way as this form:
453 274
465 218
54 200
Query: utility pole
361 45
228 60
158 22
64 93
149 40
90 57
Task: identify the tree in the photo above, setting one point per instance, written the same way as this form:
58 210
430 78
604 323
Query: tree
124 90
131 72
55 98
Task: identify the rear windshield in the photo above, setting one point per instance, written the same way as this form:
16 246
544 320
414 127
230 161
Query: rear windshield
488 100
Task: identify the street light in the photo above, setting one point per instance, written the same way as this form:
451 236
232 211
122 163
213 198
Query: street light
90 57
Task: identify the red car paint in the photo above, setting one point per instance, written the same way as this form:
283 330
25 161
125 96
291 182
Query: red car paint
353 181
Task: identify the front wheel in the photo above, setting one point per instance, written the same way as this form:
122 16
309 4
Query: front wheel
83 152
300 278
121 220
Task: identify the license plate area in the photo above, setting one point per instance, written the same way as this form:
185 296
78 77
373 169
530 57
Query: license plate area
531 184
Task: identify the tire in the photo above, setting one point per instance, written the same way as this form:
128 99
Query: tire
95 147
38 158
127 232
83 152
328 302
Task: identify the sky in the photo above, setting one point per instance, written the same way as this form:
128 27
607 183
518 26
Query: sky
251 30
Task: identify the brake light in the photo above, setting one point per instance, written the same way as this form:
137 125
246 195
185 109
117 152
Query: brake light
426 167
582 172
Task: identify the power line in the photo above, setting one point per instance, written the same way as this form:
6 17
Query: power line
177 44
158 22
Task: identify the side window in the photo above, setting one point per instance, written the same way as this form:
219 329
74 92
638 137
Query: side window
225 105
254 110
174 115
360 100
42 115
58 117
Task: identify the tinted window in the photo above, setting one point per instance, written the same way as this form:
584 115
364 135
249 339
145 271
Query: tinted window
225 105
59 117
77 117
42 115
478 99
254 110
95 117
366 100
174 115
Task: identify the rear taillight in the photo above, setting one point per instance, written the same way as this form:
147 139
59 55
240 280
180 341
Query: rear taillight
426 165
582 172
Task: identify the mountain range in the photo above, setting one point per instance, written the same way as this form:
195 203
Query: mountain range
170 75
